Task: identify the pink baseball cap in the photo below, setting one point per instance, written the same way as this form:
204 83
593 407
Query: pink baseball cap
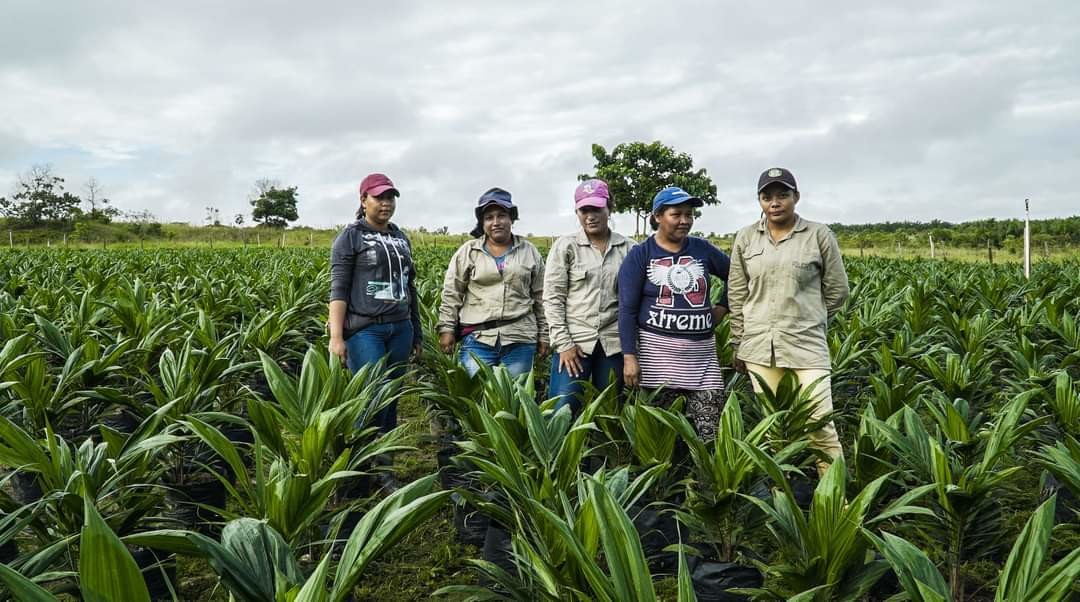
376 184
591 193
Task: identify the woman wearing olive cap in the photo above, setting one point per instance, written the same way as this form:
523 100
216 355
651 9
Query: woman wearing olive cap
666 315
492 293
787 282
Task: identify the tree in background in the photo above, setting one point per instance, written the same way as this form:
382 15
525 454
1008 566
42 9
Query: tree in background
636 171
273 205
40 198
101 208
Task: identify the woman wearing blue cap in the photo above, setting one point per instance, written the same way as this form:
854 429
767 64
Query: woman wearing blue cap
666 315
492 293
581 302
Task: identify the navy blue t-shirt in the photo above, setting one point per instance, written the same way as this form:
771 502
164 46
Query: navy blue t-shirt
669 293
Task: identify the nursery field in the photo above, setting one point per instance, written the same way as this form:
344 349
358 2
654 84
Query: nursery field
172 428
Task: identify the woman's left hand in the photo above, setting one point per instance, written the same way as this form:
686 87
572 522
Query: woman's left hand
542 349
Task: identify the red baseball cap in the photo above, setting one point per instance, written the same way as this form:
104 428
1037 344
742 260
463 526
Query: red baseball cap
376 184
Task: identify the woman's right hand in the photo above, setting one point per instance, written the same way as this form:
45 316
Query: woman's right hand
631 371
338 348
571 361
446 342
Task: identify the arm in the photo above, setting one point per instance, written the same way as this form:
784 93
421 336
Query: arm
834 281
414 304
556 276
631 279
342 256
537 289
453 296
720 266
738 291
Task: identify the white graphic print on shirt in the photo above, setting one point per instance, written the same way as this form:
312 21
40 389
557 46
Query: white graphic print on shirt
396 251
686 277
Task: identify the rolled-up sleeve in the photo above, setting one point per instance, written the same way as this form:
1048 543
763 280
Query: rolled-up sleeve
342 261
556 274
631 279
834 280
453 292
737 290
537 290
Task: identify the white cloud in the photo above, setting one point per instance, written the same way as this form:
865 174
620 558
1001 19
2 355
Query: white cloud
894 111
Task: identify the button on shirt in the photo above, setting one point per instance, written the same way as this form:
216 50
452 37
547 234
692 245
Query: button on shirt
475 291
782 294
581 304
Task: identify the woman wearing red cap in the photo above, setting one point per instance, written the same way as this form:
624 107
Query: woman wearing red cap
787 282
373 310
492 292
581 303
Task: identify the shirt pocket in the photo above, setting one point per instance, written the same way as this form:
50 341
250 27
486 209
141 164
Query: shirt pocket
807 274
754 263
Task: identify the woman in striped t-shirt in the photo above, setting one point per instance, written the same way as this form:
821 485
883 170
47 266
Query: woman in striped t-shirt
666 316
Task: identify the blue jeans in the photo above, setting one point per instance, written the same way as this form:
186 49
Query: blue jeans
517 358
597 368
371 344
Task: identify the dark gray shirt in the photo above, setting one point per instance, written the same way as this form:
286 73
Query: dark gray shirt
373 272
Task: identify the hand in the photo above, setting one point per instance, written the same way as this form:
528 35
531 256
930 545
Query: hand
571 360
417 350
337 347
446 342
542 349
740 366
631 371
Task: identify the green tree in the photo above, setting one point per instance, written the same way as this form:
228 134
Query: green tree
40 198
272 204
636 171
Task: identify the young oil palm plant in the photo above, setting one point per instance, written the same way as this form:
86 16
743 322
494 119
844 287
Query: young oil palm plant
822 551
1022 578
967 472
256 563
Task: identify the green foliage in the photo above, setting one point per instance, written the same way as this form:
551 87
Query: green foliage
636 171
275 206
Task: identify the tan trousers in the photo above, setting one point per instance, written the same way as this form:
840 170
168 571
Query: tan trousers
824 439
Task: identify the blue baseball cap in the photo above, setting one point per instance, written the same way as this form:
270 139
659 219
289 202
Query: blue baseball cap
673 195
496 196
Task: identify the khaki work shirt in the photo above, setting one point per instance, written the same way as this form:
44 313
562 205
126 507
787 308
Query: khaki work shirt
475 291
581 303
782 294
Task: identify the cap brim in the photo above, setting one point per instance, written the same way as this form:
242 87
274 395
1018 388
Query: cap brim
693 201
776 181
592 201
377 190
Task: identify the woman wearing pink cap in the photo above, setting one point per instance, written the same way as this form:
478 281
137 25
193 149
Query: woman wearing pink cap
581 302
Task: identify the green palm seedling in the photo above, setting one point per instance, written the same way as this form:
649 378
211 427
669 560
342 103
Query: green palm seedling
969 376
1063 461
1022 578
822 551
967 477
255 563
1063 323
722 474
793 406
894 386
1064 404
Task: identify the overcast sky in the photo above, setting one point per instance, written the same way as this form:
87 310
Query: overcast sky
884 111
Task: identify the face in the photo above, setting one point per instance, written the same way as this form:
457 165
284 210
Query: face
496 221
594 220
778 203
675 221
379 209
